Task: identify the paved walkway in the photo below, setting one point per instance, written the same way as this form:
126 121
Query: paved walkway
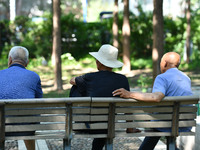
130 143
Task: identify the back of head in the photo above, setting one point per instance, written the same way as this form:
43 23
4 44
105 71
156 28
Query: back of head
170 60
19 53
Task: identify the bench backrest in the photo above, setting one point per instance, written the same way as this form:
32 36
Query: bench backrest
47 118
64 117
172 112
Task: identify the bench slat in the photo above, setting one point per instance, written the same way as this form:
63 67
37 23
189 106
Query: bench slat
143 124
151 116
123 134
35 112
144 110
79 126
35 137
100 104
90 136
99 111
35 119
123 104
12 128
39 105
153 124
187 123
188 109
188 102
90 118
81 104
81 110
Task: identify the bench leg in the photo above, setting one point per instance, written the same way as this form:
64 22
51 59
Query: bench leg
2 127
2 144
109 144
171 143
66 144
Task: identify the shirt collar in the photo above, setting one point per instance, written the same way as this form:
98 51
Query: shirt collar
17 65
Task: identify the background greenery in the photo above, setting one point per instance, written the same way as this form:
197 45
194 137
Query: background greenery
79 38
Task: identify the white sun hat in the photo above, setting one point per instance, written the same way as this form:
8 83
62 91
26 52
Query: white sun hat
107 55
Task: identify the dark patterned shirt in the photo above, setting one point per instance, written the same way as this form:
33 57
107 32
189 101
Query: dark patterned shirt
101 83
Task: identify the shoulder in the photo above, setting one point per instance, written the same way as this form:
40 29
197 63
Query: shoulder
31 73
120 75
89 75
161 78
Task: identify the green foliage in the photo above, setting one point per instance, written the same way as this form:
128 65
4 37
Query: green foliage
3 63
5 34
174 34
79 38
144 82
141 63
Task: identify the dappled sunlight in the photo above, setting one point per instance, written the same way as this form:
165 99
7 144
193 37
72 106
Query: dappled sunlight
68 71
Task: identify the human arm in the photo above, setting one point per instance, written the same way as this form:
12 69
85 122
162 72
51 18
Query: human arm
73 81
38 91
147 97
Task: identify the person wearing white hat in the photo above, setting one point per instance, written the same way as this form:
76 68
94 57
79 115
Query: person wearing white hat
102 82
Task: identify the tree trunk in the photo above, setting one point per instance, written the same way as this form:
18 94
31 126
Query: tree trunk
12 4
188 31
126 38
56 52
19 7
115 25
158 36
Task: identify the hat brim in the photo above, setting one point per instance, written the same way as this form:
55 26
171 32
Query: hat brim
108 63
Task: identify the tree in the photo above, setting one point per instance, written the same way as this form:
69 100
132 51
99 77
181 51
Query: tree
158 36
19 7
126 38
115 25
56 51
188 30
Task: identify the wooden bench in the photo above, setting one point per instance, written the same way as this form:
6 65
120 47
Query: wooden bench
62 118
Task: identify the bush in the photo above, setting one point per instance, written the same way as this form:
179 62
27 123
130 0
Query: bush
79 38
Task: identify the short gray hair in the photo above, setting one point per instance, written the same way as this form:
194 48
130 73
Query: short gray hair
19 53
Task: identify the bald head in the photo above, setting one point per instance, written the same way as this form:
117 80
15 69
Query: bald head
18 54
170 60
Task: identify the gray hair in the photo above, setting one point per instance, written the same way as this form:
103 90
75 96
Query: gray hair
19 53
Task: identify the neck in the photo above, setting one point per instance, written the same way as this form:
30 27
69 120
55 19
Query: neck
17 62
104 68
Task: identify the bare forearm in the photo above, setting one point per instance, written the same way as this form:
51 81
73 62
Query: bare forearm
147 97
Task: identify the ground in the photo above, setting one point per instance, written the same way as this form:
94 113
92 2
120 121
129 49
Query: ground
134 77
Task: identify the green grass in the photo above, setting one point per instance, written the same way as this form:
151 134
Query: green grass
54 94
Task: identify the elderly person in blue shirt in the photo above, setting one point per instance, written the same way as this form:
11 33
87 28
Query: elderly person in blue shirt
172 82
17 82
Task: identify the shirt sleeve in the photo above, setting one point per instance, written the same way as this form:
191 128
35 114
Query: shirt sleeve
81 84
38 93
127 85
159 85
